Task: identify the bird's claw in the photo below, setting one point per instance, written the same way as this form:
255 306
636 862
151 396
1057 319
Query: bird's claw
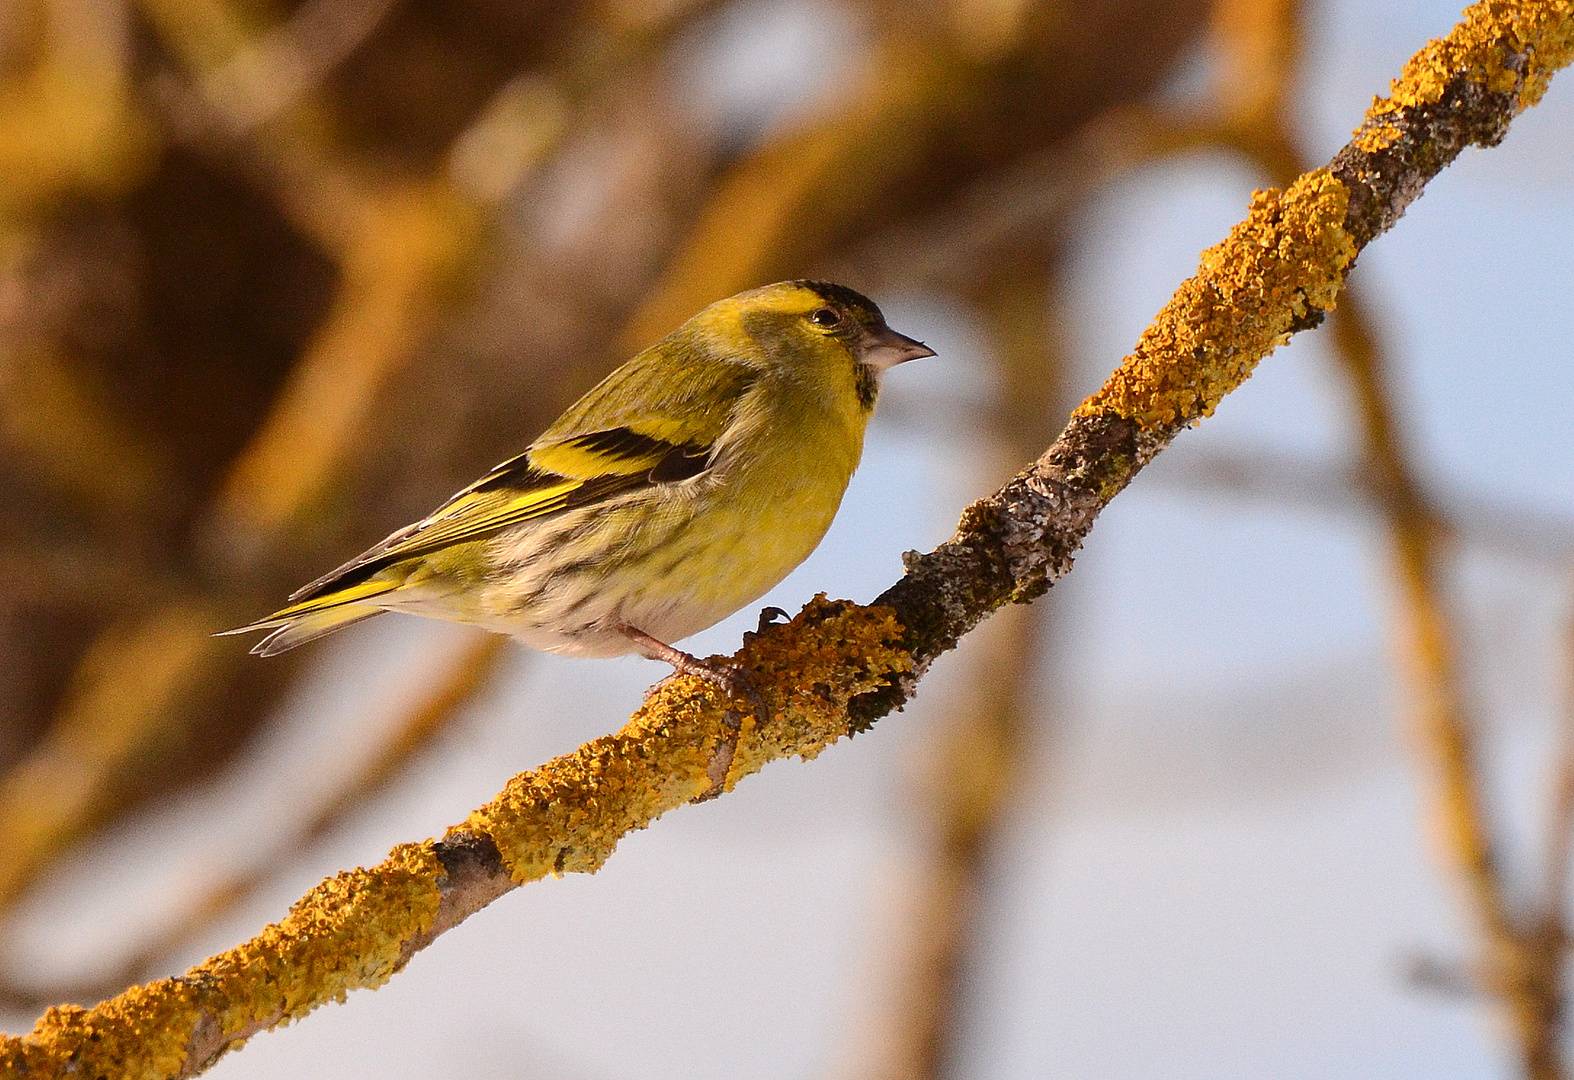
768 617
659 685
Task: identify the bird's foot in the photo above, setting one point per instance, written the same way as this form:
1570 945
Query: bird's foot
729 678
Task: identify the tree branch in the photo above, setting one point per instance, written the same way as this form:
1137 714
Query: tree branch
838 667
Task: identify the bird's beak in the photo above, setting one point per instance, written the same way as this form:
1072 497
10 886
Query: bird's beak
885 348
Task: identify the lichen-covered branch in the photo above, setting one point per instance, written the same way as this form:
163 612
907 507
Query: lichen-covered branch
1277 273
358 928
838 667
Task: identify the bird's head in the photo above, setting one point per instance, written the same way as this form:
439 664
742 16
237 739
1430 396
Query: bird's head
816 326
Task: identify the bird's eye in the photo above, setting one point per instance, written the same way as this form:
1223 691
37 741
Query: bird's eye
825 317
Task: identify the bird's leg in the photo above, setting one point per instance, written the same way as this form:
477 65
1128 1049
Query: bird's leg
732 680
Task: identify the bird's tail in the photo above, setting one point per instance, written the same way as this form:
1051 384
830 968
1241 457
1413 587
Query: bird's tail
311 619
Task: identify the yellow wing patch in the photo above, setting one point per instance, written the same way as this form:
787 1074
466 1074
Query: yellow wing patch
621 451
654 421
364 590
475 514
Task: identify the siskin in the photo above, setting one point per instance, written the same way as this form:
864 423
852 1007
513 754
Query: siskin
682 487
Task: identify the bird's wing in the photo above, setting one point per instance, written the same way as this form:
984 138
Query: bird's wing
580 461
618 460
674 392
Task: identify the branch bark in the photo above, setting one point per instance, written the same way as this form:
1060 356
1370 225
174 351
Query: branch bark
838 667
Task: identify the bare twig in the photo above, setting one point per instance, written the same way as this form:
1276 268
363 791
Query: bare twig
905 133
1026 206
402 243
1560 818
124 700
1522 960
1470 519
404 246
284 64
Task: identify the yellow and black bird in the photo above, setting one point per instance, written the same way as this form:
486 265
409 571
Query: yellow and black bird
679 489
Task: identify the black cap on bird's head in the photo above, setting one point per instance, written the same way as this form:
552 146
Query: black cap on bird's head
850 300
874 343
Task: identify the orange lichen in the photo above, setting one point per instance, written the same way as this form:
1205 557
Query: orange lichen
1376 135
1507 47
345 934
569 814
834 651
1281 266
140 1035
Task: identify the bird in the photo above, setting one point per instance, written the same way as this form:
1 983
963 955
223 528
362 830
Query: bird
678 490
